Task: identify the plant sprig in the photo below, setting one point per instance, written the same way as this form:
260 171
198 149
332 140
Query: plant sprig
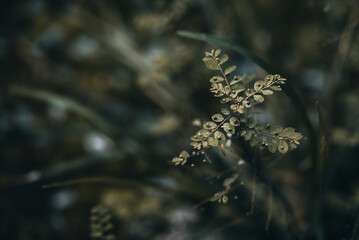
230 121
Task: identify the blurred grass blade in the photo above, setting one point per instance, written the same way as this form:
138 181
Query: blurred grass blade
223 43
69 103
107 180
322 141
288 89
68 166
123 183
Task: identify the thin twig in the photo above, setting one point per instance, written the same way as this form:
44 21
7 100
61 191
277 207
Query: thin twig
221 70
270 208
253 194
355 229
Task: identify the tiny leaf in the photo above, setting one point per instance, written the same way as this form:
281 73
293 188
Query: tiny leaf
223 58
275 129
253 141
273 145
296 136
246 104
177 160
216 79
217 117
230 69
210 63
258 85
219 136
292 145
275 88
258 98
234 121
212 142
209 125
225 111
268 79
217 52
282 146
229 128
267 92
184 154
248 135
287 132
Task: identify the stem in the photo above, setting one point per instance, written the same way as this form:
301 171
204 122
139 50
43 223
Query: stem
221 70
275 191
216 128
267 134
270 209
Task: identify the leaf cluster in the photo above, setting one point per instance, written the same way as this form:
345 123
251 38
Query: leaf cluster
237 100
101 224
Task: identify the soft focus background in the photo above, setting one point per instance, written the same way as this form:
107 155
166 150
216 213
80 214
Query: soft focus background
96 97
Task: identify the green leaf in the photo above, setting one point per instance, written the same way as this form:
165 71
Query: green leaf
219 136
184 154
235 80
287 132
248 135
225 111
273 145
234 121
254 141
225 100
196 145
263 140
258 98
258 85
238 87
210 63
229 69
275 88
197 138
268 79
217 52
203 133
222 59
282 146
177 160
296 136
292 145
209 125
258 127
217 117
246 104
229 128
216 79
227 89
275 129
212 142
267 92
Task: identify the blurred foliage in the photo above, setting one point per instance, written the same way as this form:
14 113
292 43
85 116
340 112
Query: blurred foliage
96 97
